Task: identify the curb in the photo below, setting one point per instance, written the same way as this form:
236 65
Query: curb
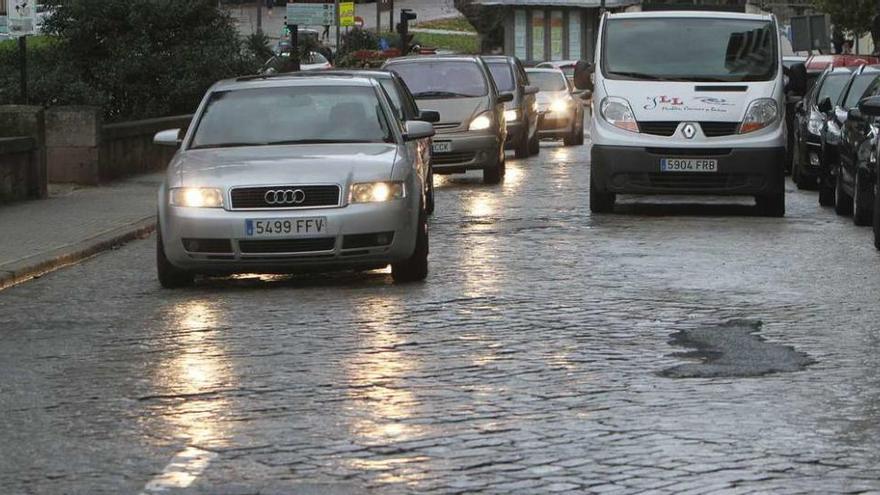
34 266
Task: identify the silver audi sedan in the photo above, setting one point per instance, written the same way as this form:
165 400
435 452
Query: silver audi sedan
287 174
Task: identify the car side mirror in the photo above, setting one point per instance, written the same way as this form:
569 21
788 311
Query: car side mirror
505 97
170 137
531 90
429 116
870 106
416 129
825 105
797 79
583 75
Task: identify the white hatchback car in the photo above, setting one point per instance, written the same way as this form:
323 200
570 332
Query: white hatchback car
283 174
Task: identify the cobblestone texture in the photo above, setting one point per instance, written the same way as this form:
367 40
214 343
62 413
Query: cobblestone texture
528 363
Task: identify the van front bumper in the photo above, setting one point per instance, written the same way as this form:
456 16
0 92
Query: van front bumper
636 170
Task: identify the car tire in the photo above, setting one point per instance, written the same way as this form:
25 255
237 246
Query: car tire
826 192
522 146
876 215
861 201
415 268
600 202
571 138
493 175
535 144
580 136
429 203
170 277
843 203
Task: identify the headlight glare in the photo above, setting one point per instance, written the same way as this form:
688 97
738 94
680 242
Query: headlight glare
376 192
559 106
196 197
617 112
761 113
511 115
481 122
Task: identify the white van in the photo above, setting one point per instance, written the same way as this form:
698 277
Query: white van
688 103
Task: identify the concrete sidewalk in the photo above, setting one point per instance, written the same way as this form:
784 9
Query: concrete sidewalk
73 224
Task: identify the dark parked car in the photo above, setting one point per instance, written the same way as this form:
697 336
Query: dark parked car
809 124
832 191
870 109
520 114
854 184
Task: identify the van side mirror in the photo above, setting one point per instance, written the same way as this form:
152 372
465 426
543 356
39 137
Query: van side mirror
797 79
870 106
825 105
583 75
432 116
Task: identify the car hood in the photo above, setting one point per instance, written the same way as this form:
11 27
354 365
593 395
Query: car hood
296 164
455 110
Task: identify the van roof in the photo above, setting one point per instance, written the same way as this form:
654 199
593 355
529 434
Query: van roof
691 14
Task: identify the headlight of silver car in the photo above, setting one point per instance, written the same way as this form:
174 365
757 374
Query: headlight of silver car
481 122
376 192
196 197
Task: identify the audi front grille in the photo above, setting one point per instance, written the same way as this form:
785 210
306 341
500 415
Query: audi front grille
267 197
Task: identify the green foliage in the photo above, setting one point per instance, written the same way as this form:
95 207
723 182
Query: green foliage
258 46
136 58
451 24
853 16
488 21
453 42
358 39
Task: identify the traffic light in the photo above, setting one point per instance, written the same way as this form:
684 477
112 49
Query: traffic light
406 39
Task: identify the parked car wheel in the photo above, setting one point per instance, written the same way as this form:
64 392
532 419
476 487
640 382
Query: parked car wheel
877 212
415 268
600 202
861 201
170 277
826 193
843 203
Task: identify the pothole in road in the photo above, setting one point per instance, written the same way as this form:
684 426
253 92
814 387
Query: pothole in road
733 349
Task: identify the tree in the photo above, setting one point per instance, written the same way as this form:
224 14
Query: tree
148 57
853 16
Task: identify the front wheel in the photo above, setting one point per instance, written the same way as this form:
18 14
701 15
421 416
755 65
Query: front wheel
170 277
600 202
843 203
861 201
495 174
415 268
772 205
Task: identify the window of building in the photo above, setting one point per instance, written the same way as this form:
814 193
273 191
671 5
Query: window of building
520 28
538 35
557 28
575 28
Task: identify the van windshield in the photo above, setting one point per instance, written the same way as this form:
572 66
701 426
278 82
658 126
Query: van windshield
690 49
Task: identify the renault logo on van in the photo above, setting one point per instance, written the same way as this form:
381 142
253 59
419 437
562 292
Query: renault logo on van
689 131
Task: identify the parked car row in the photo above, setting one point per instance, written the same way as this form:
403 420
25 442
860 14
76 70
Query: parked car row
332 169
837 133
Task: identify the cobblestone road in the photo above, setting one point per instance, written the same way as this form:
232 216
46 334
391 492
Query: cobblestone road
535 359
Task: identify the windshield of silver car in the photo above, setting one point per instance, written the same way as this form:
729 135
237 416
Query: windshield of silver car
292 115
690 49
548 81
442 78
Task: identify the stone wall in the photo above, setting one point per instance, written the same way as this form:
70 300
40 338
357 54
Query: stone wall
127 148
15 168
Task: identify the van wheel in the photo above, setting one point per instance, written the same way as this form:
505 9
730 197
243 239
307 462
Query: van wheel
843 203
415 268
772 205
600 202
170 277
861 201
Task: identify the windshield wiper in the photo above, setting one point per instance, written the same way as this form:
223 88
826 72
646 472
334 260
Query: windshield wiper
319 141
440 94
639 75
223 145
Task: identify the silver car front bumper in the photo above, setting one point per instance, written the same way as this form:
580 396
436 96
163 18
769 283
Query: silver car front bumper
214 240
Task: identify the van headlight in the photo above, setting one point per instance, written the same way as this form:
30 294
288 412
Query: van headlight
814 125
376 192
481 122
617 112
196 197
761 113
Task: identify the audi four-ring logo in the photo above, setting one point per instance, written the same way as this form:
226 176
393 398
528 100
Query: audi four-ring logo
285 197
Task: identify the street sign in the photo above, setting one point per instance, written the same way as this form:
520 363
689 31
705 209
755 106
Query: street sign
311 14
20 17
810 32
346 14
